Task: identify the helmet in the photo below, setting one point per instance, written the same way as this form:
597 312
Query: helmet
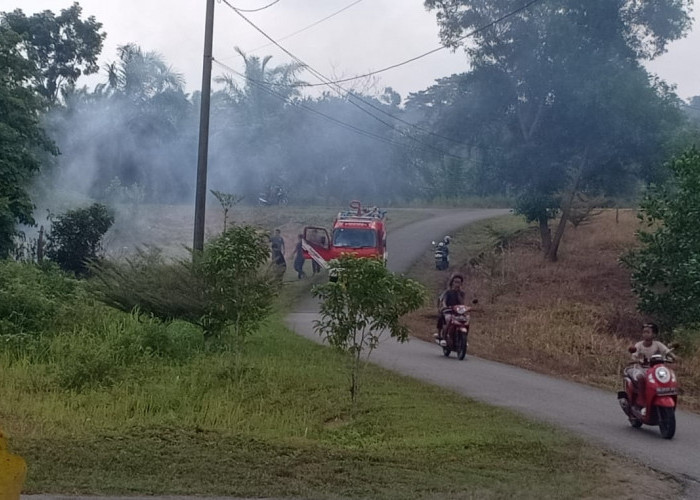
447 240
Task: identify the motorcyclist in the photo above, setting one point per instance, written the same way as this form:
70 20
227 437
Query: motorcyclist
453 296
643 351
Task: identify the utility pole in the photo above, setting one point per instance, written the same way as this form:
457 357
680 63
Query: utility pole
201 191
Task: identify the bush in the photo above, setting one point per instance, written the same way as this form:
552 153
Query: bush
666 269
75 237
222 288
33 299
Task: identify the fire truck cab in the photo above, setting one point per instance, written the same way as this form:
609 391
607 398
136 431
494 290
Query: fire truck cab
359 231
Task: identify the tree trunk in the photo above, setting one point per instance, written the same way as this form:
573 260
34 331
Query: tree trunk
545 234
551 255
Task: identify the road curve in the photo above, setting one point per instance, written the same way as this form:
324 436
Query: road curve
589 412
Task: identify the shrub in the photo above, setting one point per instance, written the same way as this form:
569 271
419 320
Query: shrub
366 301
75 237
32 299
222 288
666 269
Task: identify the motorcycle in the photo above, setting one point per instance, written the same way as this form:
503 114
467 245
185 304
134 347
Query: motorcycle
276 196
455 333
442 254
655 403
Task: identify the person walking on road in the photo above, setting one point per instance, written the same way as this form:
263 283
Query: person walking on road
298 255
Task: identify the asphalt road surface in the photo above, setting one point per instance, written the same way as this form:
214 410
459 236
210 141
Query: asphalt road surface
592 413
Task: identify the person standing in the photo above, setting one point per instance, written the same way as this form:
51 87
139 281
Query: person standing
278 264
298 255
276 239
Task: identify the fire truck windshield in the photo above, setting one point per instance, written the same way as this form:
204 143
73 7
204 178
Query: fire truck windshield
354 238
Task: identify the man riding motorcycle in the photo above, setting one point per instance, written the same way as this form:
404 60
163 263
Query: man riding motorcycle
453 296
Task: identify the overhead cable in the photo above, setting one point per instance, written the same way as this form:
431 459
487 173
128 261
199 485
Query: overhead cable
309 26
261 8
433 51
265 88
330 84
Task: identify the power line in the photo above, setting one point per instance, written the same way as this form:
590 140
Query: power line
261 8
309 26
330 84
425 54
265 88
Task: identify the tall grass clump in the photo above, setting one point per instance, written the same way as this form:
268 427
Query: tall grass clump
221 290
32 299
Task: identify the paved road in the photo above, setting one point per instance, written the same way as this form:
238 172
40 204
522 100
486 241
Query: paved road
592 413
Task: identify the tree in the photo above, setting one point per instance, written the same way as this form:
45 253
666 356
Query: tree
63 47
227 201
561 93
666 269
365 302
21 138
76 237
136 125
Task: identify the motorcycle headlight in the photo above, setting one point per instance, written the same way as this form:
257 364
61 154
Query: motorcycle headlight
662 374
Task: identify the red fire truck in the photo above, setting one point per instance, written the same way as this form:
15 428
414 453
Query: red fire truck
359 231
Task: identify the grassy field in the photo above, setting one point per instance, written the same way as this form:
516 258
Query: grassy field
111 403
574 318
275 421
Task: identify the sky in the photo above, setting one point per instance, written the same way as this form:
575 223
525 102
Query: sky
366 36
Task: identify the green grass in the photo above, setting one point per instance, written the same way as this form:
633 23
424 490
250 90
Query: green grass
112 403
275 420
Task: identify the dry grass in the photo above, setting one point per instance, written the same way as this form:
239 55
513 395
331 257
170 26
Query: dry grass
573 318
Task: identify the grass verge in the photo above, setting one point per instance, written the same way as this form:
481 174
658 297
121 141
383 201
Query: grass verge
275 420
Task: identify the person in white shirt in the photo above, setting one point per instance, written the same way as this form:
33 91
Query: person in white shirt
643 351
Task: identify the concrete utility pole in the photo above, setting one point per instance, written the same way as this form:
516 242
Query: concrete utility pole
201 191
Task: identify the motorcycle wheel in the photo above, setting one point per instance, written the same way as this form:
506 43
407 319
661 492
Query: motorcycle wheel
667 421
461 346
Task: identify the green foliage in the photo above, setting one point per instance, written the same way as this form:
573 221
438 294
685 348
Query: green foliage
666 269
75 237
366 301
557 100
33 300
537 207
20 138
103 353
221 288
228 201
62 47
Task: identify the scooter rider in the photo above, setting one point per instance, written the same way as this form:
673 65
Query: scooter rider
453 296
643 351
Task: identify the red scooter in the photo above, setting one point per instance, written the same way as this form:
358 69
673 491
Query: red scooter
456 330
655 402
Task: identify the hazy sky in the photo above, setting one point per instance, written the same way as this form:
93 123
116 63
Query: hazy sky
369 35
